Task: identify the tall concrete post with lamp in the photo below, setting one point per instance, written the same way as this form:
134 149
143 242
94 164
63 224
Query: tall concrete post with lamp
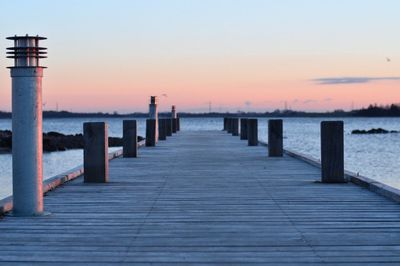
27 151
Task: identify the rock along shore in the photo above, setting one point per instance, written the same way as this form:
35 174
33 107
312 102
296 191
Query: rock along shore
55 141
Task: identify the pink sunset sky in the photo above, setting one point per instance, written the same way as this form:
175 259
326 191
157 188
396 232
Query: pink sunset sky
238 55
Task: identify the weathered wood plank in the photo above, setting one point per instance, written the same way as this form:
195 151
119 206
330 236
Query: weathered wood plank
207 198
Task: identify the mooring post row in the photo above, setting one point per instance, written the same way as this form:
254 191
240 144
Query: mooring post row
252 132
95 152
332 152
129 138
243 128
275 137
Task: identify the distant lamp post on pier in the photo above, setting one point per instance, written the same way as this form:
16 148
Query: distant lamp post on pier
27 143
174 119
152 123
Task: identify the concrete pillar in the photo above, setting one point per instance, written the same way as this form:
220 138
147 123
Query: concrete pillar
27 148
162 129
252 132
153 114
243 128
129 138
275 137
95 152
151 132
168 122
235 126
332 152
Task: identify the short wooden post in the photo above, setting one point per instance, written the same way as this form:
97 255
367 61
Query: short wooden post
243 128
162 129
95 152
225 124
252 132
275 138
229 125
129 138
151 133
168 126
332 152
174 125
235 126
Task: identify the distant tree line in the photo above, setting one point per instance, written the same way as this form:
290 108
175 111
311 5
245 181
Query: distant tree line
376 111
392 110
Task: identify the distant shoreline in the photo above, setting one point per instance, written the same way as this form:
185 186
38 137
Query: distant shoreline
371 111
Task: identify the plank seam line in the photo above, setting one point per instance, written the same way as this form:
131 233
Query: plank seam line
139 230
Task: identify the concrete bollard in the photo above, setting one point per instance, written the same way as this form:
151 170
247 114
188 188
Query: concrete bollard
27 142
243 128
95 153
332 152
275 138
235 126
162 129
225 124
252 132
151 132
168 126
129 138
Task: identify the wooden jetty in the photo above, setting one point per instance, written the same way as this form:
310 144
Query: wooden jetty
205 197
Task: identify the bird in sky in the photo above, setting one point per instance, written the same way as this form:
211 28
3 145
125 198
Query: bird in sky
388 59
164 95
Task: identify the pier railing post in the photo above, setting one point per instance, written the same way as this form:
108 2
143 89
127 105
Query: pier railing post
225 124
129 138
275 137
243 128
252 132
27 142
332 152
151 132
95 153
162 130
235 126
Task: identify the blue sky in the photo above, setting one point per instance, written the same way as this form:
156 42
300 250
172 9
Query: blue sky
183 43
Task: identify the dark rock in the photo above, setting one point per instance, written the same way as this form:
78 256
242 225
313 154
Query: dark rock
55 141
373 131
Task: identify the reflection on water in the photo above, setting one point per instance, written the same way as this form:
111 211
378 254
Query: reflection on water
375 156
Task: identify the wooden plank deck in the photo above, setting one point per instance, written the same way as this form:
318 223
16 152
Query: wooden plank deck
207 198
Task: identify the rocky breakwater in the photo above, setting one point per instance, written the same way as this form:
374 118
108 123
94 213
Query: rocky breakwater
373 131
55 141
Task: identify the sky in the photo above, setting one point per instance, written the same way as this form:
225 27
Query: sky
230 55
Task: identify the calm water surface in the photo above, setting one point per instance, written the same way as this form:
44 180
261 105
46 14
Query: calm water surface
374 156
